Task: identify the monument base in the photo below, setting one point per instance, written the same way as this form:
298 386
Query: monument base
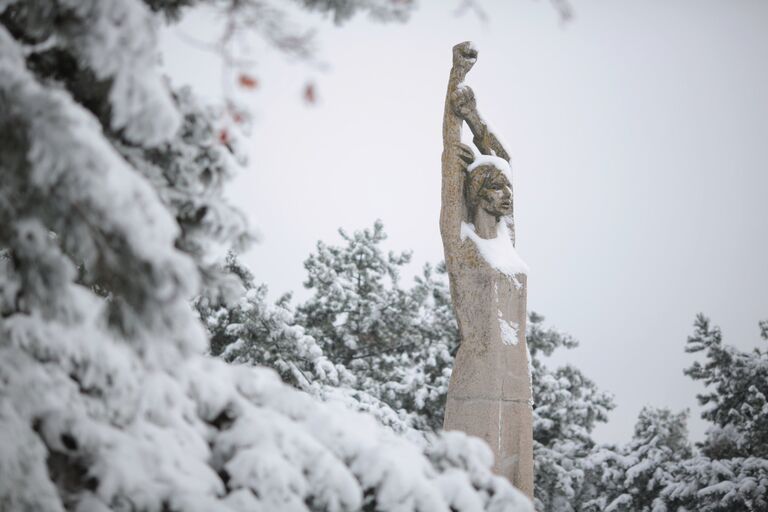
506 427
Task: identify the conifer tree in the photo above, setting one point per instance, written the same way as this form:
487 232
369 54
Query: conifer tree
396 341
249 329
658 471
633 477
731 471
567 406
735 402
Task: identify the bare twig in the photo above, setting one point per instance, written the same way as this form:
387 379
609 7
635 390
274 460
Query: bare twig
471 6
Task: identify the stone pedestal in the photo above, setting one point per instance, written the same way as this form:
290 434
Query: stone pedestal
506 427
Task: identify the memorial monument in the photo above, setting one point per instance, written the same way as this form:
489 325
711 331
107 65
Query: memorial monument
490 393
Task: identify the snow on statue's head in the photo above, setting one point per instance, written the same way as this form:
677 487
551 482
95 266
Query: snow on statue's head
488 187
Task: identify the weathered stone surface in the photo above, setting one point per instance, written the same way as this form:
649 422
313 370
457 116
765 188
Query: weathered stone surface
505 426
490 394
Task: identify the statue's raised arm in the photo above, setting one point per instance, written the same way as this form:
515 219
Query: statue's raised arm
465 106
456 156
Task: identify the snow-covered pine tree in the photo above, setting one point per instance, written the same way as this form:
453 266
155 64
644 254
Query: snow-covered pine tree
657 471
109 202
736 402
731 473
251 330
357 307
396 341
567 406
632 478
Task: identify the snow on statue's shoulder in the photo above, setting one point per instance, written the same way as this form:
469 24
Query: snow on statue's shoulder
498 252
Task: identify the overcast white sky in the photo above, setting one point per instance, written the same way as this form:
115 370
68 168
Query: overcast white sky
639 135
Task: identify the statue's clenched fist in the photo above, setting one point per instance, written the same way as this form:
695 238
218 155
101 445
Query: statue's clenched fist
464 57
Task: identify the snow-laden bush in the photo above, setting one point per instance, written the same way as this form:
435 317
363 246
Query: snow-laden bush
109 203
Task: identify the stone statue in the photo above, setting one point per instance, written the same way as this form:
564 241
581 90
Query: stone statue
490 393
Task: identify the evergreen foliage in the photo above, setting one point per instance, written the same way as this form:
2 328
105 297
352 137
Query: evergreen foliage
731 473
658 470
632 478
736 399
397 342
567 406
249 329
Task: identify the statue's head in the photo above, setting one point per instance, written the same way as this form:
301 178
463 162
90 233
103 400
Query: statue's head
487 187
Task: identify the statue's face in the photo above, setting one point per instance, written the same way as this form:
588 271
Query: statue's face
496 195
